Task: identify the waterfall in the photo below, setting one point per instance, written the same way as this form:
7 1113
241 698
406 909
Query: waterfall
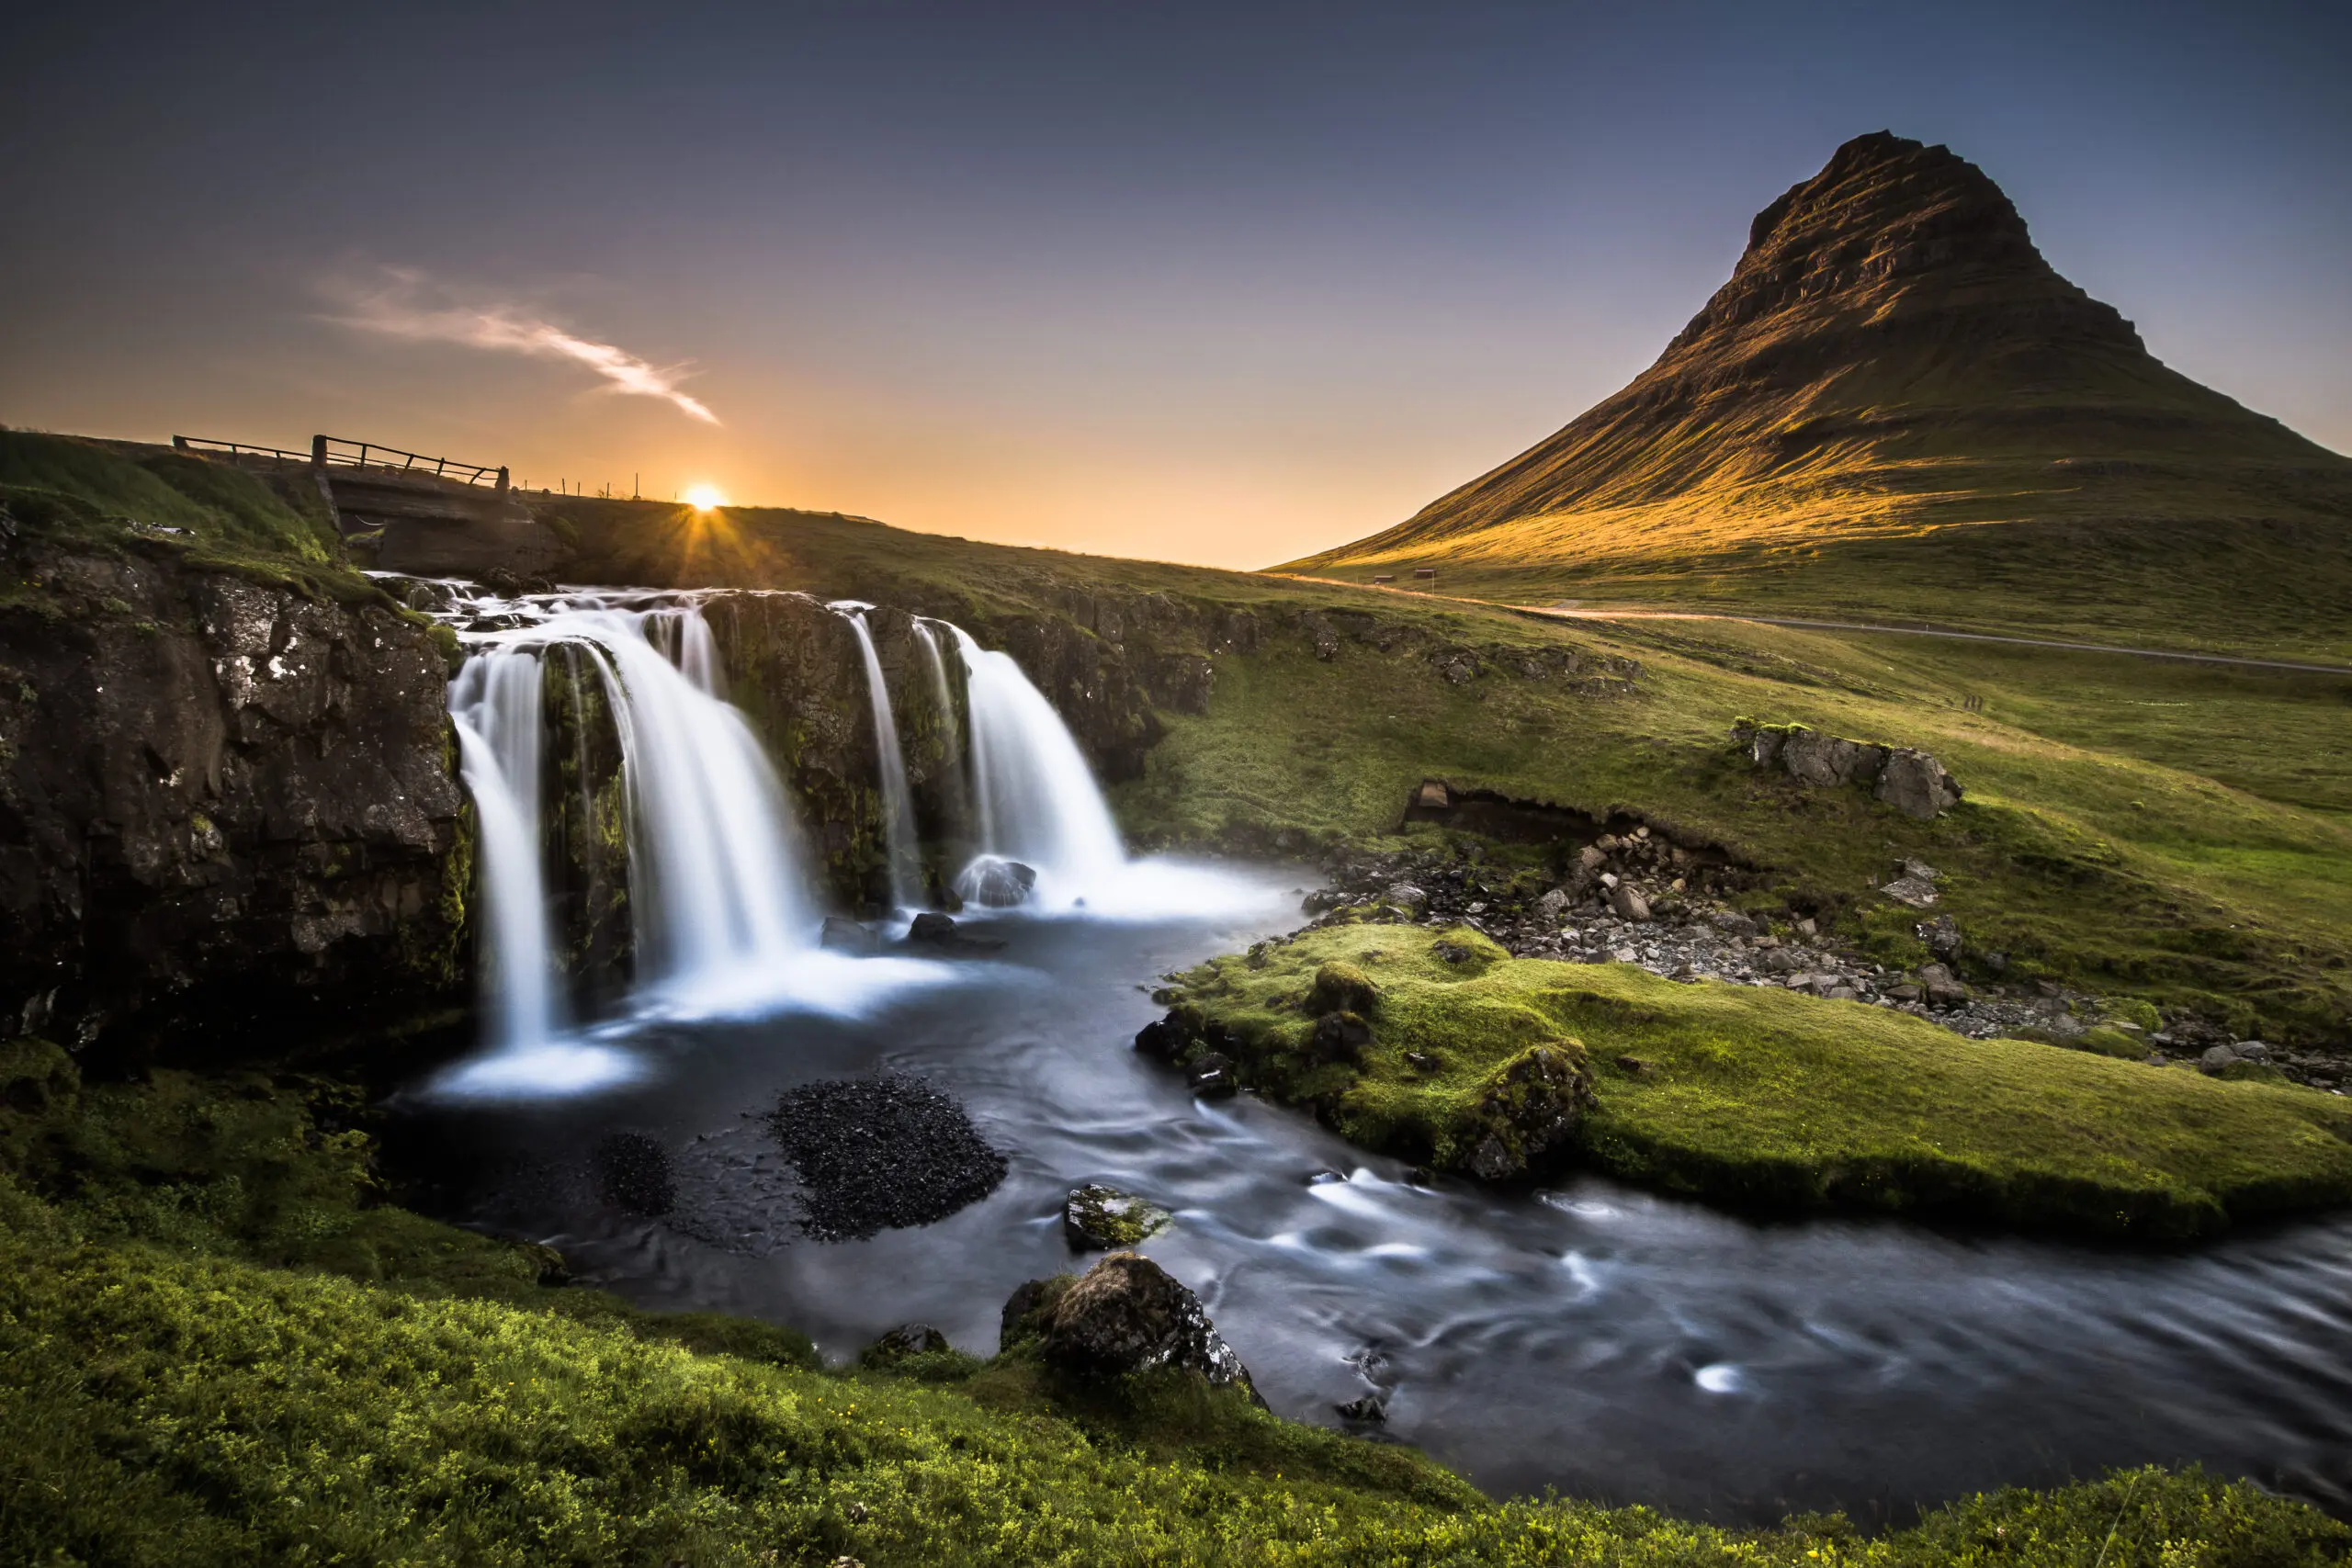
899 843
1034 799
943 695
716 887
494 705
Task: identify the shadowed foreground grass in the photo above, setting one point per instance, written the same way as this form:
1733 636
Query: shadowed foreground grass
1761 1098
190 1373
172 1410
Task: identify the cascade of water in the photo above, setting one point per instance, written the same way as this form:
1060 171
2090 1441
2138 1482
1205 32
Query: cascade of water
942 696
716 889
1034 796
494 705
900 846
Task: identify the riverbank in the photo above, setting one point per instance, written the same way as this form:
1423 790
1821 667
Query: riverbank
1437 1046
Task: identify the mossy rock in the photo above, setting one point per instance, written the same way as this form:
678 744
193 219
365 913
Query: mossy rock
1341 986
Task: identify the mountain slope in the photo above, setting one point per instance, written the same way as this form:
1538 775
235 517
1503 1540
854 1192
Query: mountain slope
1892 359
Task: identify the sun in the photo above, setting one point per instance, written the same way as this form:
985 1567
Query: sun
703 498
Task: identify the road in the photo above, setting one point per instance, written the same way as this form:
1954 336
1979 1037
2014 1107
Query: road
2230 659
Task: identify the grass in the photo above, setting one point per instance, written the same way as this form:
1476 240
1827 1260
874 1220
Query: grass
124 499
1762 1099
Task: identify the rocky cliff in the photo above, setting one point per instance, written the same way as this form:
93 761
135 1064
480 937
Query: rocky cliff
226 805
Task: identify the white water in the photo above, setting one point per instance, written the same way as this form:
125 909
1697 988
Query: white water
725 923
900 847
958 808
494 705
721 911
1034 798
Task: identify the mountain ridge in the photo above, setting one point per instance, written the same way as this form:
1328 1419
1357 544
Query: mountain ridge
1892 356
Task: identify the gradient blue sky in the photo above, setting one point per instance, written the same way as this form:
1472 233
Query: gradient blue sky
1200 282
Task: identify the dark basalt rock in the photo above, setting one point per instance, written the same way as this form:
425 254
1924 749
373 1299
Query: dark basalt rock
881 1154
1128 1315
225 806
633 1173
899 1343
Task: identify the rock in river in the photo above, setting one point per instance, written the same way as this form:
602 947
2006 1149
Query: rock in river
1125 1314
995 882
1100 1218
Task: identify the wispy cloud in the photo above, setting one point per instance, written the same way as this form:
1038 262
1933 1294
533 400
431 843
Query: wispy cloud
401 302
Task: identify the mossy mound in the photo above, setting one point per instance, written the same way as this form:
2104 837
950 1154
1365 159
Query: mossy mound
1762 1099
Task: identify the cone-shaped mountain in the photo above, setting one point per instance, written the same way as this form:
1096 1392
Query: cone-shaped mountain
1890 359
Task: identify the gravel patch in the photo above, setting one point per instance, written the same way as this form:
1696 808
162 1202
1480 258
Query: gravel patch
880 1154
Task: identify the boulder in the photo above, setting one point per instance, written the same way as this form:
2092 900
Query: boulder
2216 1057
930 927
1731 922
1533 1105
897 1345
1408 898
1163 1039
1943 937
1126 1314
1342 988
1917 785
1340 1037
995 882
1627 900
1370 1410
1211 1076
842 935
1554 906
1913 892
1813 758
1101 1219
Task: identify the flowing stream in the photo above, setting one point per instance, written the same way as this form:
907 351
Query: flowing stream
900 848
1610 1343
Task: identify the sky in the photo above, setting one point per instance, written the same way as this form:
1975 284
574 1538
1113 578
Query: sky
1214 283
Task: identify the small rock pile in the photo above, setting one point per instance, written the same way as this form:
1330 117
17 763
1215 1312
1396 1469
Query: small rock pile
1636 898
880 1153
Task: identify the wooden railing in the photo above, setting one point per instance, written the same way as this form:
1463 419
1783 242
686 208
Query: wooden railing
238 449
337 452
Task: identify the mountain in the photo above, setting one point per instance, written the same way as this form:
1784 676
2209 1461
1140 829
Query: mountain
1896 406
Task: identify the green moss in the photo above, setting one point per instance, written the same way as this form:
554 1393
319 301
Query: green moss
1760 1098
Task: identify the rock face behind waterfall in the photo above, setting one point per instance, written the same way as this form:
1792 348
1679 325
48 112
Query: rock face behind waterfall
222 805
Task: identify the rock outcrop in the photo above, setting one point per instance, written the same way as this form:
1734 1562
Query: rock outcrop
225 804
1124 1316
1911 781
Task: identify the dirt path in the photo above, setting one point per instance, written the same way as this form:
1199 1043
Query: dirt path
1932 631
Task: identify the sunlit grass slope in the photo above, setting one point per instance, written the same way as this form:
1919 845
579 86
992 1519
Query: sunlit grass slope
94 494
1763 1098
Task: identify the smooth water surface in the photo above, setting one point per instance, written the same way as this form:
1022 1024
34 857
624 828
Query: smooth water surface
1592 1337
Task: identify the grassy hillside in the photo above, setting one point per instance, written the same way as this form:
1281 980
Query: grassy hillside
1896 408
2175 831
123 498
